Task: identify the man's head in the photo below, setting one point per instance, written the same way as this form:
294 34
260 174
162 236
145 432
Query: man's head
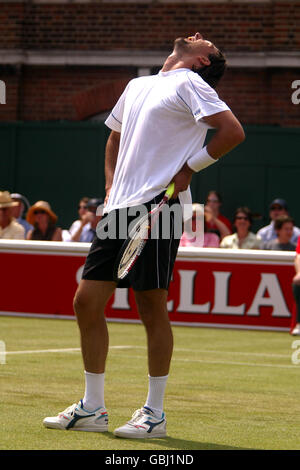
284 226
278 208
205 58
94 208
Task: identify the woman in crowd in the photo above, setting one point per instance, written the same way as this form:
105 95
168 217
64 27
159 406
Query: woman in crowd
202 238
216 222
243 237
43 219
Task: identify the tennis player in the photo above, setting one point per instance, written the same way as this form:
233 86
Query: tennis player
158 128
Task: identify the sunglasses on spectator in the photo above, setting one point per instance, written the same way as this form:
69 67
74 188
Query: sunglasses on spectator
82 207
39 212
241 217
276 208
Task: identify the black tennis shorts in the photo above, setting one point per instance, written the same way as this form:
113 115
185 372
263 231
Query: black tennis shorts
152 270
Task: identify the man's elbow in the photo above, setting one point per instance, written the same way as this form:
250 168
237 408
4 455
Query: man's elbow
238 134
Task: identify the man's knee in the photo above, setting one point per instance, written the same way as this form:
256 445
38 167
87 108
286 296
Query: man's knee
152 305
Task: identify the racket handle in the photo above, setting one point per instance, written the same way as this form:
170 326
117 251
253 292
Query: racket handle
170 190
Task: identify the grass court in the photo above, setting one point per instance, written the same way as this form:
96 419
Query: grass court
228 389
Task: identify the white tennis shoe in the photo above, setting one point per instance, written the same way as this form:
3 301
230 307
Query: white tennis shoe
143 424
76 418
296 330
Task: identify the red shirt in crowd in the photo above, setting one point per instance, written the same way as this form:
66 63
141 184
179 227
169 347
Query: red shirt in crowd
223 219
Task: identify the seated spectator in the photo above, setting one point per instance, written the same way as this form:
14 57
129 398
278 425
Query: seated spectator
9 227
296 290
283 227
205 240
82 224
243 238
89 233
43 219
216 222
277 208
20 210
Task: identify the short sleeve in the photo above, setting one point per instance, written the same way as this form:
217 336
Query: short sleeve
114 120
200 97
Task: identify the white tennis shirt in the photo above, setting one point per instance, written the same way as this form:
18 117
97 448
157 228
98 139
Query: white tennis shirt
159 118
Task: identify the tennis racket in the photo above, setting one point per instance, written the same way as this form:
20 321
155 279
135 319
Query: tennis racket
137 238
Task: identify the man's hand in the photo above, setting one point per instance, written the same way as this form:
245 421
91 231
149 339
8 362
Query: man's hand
106 196
182 180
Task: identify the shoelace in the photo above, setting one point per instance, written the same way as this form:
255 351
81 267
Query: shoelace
70 410
137 415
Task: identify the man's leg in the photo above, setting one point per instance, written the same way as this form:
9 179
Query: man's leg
152 307
90 413
150 420
89 304
296 293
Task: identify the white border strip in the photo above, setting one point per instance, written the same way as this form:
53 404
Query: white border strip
184 253
136 58
130 320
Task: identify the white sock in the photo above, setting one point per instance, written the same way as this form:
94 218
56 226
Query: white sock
94 391
156 392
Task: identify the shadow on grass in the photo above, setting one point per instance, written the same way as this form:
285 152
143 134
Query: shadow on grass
166 443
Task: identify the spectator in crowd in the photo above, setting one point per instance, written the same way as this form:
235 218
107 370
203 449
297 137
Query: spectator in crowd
278 208
87 235
296 290
43 219
216 222
243 238
20 210
82 224
203 238
9 227
283 227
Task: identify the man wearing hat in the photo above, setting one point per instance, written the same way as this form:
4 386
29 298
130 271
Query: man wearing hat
278 208
9 227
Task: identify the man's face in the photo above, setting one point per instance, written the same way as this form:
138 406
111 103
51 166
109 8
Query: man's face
195 45
17 210
5 216
277 211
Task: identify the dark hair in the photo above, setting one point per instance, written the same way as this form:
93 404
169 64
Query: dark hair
278 223
84 199
213 191
245 210
213 72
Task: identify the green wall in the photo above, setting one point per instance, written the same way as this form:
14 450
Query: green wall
61 162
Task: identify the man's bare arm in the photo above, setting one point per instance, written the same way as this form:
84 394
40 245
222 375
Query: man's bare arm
229 134
111 156
296 279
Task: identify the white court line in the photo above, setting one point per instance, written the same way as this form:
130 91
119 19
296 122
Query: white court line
250 364
201 351
39 351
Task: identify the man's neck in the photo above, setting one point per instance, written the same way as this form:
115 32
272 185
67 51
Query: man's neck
174 62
